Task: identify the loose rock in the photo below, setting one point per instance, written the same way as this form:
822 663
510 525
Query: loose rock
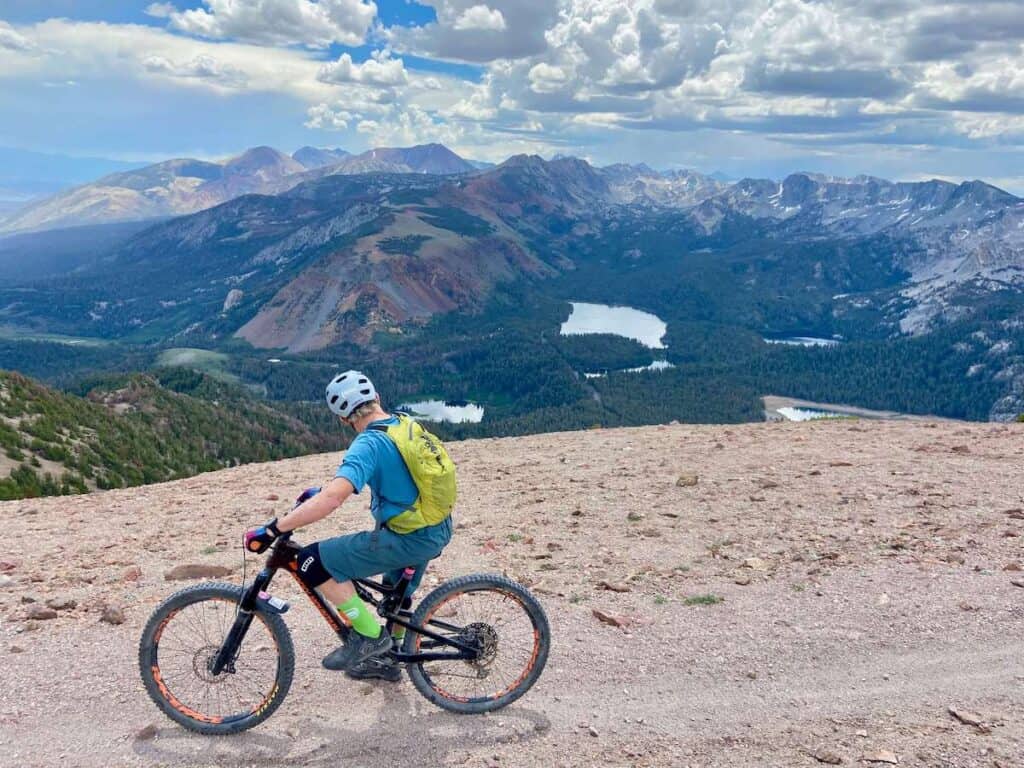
882 756
131 573
112 614
196 571
608 618
686 480
146 733
62 603
826 756
967 717
41 612
613 587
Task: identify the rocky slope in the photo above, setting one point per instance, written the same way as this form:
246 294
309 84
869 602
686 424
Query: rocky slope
818 593
170 188
959 235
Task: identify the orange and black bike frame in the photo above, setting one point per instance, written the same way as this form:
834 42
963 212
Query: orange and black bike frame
283 555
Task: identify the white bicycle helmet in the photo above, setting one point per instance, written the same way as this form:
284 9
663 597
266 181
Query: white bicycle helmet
347 391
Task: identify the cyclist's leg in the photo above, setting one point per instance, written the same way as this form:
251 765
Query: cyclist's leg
368 553
360 555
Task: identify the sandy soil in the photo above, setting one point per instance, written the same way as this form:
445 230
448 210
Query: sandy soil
866 568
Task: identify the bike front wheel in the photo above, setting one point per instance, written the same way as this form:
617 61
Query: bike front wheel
177 649
497 616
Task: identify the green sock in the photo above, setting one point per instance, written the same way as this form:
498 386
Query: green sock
359 615
398 633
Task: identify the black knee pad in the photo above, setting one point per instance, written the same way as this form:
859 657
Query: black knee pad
311 568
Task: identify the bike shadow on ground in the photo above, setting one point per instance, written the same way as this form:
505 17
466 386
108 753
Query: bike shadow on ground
407 730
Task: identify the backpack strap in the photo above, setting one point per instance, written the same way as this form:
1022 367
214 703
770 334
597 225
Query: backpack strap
384 428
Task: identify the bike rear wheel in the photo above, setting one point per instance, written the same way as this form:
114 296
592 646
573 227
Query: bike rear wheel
494 614
178 644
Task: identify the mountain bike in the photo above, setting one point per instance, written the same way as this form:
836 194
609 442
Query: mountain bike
218 658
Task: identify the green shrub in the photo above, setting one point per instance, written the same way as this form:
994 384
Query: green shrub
703 600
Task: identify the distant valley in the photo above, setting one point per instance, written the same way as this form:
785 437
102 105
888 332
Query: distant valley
451 282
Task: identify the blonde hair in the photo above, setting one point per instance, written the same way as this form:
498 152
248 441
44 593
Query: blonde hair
364 410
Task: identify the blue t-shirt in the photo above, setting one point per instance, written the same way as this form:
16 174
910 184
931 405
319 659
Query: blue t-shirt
373 459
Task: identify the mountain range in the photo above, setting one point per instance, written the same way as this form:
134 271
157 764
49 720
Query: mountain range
323 250
181 186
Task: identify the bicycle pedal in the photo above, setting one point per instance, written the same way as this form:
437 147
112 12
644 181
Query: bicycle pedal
271 604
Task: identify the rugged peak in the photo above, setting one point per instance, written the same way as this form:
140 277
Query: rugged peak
981 192
797 188
434 159
318 157
258 158
523 161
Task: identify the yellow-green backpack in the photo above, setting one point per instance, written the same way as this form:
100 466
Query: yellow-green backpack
431 469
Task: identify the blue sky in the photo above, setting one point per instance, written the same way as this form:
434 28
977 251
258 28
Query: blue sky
750 87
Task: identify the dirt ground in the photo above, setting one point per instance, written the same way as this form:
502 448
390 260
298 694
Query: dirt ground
869 575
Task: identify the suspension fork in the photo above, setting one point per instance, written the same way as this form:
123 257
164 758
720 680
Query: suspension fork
225 658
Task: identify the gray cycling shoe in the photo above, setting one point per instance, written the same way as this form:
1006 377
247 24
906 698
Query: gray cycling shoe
375 668
356 649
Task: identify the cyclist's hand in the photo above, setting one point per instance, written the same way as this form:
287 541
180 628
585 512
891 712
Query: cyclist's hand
259 539
306 495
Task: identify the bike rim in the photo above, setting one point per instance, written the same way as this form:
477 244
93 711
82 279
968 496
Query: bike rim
498 623
183 647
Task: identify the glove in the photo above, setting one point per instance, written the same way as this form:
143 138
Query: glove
306 495
259 539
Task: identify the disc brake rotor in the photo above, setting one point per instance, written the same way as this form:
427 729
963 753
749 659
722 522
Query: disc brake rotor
485 638
202 661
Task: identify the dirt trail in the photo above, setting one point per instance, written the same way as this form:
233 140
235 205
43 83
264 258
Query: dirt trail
866 571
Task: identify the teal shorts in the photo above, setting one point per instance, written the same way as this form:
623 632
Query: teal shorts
368 553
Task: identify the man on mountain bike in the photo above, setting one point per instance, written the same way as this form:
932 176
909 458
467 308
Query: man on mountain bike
402 536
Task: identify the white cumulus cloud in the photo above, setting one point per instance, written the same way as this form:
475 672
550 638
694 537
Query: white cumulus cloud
380 69
325 117
480 17
313 23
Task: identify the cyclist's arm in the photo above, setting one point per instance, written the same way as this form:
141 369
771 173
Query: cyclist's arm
331 496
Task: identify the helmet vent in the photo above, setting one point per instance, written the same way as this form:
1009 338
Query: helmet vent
334 400
344 405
